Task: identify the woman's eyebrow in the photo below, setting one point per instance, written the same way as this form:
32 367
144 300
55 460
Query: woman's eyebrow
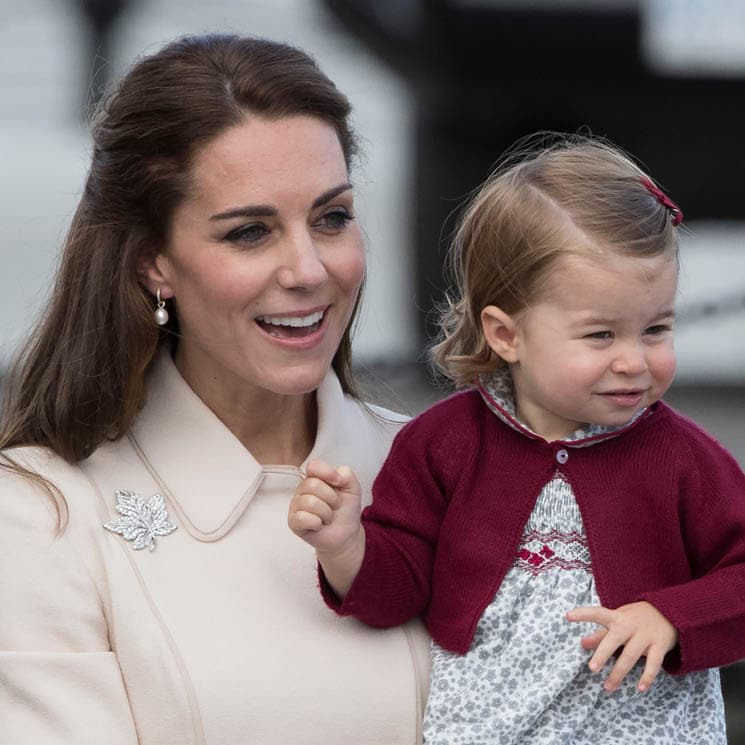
258 210
327 196
266 210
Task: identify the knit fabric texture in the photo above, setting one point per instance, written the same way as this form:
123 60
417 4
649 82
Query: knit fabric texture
525 678
663 507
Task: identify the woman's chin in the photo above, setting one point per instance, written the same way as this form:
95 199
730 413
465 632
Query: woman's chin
298 381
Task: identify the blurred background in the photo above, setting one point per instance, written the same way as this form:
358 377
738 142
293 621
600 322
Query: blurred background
440 88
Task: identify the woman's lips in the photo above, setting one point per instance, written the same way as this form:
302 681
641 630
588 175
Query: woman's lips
292 326
290 332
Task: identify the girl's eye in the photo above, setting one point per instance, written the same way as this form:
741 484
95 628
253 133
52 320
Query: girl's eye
657 330
601 335
252 233
335 220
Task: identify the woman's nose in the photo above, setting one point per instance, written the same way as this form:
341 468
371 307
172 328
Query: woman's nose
301 267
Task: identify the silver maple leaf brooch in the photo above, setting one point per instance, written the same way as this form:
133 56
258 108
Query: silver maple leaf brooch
141 520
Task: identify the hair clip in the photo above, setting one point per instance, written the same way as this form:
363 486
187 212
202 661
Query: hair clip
675 212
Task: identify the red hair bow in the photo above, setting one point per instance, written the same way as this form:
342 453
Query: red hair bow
675 212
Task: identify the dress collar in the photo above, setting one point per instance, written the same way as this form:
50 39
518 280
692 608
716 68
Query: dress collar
497 391
201 467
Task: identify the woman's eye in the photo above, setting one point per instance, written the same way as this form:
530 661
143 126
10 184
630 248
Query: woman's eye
252 233
335 220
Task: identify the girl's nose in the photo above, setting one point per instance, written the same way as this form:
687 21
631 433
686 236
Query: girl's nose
630 360
302 268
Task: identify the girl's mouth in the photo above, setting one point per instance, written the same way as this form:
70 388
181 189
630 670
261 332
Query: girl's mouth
625 398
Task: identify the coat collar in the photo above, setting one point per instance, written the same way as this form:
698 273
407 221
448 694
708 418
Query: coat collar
497 392
203 470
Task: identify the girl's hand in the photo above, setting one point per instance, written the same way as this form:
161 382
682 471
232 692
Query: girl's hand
642 631
325 508
325 512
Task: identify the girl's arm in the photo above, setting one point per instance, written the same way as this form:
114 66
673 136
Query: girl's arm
380 570
709 610
325 512
706 613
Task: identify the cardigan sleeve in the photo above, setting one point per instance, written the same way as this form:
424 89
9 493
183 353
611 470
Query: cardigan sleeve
410 498
709 610
60 681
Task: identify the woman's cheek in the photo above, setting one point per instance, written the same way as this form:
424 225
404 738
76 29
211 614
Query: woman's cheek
351 271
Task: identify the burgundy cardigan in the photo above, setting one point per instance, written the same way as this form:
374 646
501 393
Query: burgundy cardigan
663 506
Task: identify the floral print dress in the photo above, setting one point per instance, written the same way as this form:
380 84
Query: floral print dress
525 679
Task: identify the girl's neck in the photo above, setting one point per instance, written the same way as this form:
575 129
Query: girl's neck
549 430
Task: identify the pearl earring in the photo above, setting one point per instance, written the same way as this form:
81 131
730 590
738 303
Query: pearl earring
161 314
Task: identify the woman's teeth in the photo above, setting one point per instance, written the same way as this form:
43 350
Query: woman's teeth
292 320
291 326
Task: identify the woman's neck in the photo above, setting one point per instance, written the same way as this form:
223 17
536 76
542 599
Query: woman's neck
274 428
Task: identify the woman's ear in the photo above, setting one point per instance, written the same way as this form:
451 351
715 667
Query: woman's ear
500 332
153 271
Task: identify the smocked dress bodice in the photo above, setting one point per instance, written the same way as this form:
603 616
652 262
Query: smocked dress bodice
525 679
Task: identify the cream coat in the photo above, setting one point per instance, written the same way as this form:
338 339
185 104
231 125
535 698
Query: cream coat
219 635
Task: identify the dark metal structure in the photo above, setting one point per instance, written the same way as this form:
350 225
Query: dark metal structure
484 74
100 17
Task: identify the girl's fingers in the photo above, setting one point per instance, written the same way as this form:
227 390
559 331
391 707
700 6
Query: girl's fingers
302 522
639 628
319 469
601 616
626 660
604 650
655 657
341 478
592 614
313 505
315 487
346 480
591 642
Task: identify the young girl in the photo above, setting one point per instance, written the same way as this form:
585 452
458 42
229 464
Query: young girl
555 523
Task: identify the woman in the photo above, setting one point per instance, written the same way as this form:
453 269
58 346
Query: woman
194 355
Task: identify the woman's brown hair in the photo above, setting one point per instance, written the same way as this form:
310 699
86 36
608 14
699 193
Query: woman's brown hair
551 195
79 379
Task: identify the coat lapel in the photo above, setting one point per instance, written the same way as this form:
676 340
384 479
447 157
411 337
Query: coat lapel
205 471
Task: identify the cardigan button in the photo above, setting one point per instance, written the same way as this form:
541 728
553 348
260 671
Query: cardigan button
562 456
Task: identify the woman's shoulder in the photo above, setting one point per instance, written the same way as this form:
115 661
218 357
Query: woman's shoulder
18 463
38 488
25 468
52 579
380 416
36 457
369 427
371 416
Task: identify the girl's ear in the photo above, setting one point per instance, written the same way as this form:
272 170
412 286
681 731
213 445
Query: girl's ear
154 272
500 332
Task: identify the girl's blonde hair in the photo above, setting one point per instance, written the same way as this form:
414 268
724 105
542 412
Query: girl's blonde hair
551 195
